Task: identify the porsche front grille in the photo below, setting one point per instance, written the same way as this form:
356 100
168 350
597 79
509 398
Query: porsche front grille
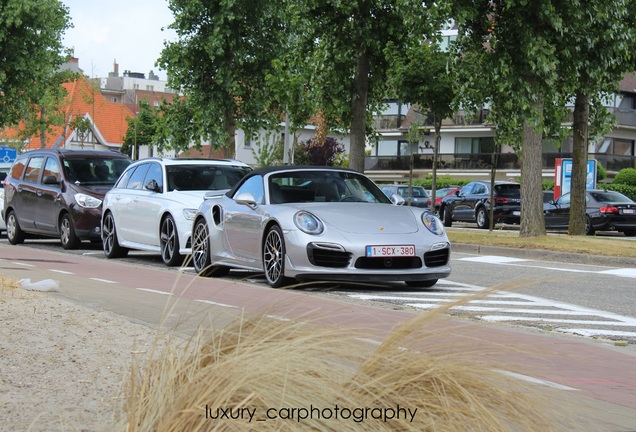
437 258
324 256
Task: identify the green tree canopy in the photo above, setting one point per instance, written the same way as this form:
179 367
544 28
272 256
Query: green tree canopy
220 62
31 51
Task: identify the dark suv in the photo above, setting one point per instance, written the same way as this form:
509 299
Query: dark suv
59 193
472 204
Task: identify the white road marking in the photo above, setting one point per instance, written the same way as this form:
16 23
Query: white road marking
593 332
279 318
217 304
22 264
623 272
61 271
501 318
103 280
536 380
492 259
155 291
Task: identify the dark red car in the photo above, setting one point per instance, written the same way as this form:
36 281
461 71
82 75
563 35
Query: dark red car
441 193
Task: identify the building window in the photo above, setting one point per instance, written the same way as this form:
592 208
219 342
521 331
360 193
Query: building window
615 146
114 100
483 145
150 87
135 86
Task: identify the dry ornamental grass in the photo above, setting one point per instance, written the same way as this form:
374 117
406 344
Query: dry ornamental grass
258 373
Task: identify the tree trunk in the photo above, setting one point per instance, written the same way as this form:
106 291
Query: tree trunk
579 164
359 113
532 222
229 125
438 138
42 128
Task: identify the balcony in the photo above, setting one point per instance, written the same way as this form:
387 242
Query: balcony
472 161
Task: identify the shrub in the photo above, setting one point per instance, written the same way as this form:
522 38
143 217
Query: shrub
626 176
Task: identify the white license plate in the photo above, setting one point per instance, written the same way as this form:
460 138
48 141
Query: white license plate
391 251
516 213
629 211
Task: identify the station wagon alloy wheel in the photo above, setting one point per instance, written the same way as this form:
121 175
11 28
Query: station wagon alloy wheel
109 239
169 243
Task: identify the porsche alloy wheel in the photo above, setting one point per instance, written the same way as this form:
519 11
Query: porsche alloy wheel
109 239
274 257
201 252
169 242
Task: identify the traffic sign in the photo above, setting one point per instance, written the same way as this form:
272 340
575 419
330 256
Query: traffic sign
7 154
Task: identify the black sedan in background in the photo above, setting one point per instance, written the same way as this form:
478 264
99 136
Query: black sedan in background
606 211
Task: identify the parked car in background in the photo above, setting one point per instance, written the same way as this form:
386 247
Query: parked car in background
59 193
152 205
419 197
4 170
312 223
548 195
472 204
440 194
605 211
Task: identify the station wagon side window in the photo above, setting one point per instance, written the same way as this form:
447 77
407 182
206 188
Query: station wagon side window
137 177
123 179
154 173
33 169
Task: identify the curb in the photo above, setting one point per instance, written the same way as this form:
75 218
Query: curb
545 255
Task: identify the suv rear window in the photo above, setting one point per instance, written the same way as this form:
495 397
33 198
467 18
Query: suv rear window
513 190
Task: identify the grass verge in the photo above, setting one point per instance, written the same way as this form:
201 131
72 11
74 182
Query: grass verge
595 245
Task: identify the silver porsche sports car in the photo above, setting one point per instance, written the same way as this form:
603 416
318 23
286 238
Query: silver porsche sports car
318 223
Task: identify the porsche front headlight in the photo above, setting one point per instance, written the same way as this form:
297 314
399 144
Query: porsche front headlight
433 223
308 223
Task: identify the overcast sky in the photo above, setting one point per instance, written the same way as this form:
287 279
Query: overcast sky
128 31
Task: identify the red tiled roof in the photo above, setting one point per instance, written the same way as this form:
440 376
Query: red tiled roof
628 84
109 118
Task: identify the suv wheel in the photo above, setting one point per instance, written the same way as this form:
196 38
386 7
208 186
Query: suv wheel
109 239
169 241
14 233
482 219
67 233
446 217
